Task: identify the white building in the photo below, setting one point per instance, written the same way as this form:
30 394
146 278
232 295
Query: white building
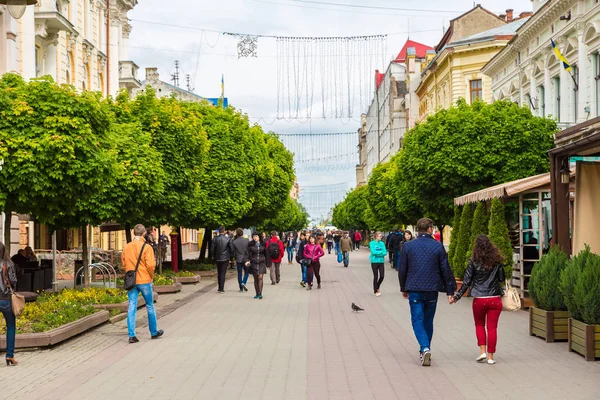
389 115
68 40
165 89
527 70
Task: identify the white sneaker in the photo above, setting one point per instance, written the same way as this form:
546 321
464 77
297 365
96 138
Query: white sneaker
378 294
481 358
491 362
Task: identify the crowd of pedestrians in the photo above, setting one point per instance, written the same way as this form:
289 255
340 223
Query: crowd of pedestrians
422 266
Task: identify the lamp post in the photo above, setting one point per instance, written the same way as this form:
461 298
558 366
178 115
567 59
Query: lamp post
16 8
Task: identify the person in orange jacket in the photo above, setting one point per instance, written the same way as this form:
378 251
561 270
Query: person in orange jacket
138 254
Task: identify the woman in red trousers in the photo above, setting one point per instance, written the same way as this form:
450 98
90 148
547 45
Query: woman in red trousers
485 272
313 252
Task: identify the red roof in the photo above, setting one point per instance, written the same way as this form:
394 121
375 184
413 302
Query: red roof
420 48
378 78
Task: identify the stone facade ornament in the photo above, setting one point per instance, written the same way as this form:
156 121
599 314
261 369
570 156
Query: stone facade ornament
71 41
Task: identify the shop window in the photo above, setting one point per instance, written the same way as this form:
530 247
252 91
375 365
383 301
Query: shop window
476 90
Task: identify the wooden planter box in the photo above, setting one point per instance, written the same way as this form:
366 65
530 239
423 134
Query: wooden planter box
174 288
123 307
60 334
207 274
584 339
188 280
549 325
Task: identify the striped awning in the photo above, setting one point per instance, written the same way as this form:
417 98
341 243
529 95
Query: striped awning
505 190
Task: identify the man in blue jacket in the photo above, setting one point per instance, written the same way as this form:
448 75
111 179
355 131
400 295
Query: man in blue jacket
423 272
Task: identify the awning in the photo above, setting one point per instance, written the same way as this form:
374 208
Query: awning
505 190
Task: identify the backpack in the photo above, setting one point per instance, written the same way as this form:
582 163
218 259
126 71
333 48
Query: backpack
274 251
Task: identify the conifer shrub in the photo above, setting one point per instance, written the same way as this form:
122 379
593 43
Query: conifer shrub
498 234
544 284
459 265
569 279
455 234
479 225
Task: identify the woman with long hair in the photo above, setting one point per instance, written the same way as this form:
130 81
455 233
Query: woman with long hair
485 272
313 252
8 282
258 261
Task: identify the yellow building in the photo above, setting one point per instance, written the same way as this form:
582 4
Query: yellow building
455 70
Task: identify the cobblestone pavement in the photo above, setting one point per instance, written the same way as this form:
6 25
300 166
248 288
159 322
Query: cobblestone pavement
295 344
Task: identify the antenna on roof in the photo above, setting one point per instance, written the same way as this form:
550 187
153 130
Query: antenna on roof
175 76
188 83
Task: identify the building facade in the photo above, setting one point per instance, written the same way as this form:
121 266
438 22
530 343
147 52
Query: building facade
528 71
456 69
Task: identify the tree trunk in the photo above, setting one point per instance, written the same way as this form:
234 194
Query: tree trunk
180 249
206 239
85 258
128 233
7 223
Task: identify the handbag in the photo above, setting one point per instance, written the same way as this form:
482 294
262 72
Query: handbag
17 301
510 299
130 276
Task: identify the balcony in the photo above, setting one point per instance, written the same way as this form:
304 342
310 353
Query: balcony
128 75
49 20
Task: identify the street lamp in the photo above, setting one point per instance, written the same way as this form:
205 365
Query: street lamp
565 173
16 8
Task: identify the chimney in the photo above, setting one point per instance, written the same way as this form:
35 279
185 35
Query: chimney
525 14
509 15
152 75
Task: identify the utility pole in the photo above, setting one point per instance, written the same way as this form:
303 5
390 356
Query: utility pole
175 76
188 82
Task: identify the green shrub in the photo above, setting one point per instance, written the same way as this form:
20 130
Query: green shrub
479 225
455 234
587 291
459 265
498 234
199 267
569 279
544 285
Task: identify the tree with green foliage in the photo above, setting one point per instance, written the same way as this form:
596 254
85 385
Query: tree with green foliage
479 225
466 148
454 235
543 287
498 234
587 291
381 198
291 217
351 212
459 264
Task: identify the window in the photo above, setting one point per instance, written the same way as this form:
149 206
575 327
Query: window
542 102
476 90
556 82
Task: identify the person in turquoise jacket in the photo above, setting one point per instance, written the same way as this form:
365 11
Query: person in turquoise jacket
378 252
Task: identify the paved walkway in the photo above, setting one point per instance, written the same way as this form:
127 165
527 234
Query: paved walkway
295 344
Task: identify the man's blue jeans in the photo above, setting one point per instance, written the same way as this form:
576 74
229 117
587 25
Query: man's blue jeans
396 256
146 291
11 327
422 311
290 254
337 247
304 270
242 268
346 255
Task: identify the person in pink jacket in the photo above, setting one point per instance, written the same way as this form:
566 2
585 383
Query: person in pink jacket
313 253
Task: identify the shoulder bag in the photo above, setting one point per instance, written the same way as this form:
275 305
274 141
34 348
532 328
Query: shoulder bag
17 301
130 276
510 299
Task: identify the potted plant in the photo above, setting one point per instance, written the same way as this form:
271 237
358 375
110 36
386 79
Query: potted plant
549 318
580 284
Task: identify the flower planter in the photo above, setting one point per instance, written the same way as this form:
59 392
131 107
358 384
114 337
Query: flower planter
123 307
164 289
60 334
188 280
584 339
549 325
207 274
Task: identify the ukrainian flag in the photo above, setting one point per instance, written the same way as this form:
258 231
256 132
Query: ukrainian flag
560 56
223 85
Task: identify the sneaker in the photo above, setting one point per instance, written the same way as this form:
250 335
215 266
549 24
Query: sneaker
426 359
481 358
377 293
309 287
318 286
278 280
257 297
241 290
273 283
491 362
260 297
158 334
133 339
303 284
244 287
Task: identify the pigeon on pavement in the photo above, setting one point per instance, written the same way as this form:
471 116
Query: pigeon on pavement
356 308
